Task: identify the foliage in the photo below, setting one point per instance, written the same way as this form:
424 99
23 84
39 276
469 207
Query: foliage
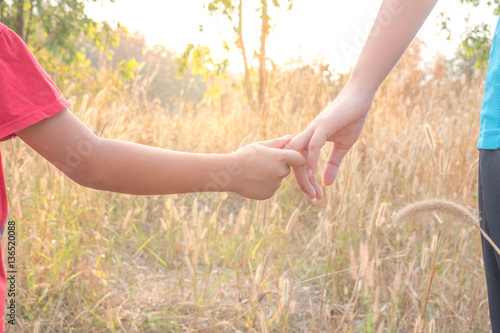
198 58
172 90
73 49
476 40
91 261
52 29
495 4
227 9
199 61
158 64
477 43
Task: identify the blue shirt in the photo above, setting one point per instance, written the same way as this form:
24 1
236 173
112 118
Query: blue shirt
489 135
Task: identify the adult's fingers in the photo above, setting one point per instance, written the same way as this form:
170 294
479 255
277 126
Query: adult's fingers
307 183
317 189
277 143
317 141
303 181
333 164
300 143
318 193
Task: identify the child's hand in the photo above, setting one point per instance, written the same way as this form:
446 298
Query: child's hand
261 166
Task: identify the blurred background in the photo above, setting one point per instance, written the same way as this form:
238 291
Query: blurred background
208 77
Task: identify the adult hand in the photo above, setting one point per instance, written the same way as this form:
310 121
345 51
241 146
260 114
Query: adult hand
341 123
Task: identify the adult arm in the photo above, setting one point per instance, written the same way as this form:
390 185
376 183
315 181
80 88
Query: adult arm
254 171
396 24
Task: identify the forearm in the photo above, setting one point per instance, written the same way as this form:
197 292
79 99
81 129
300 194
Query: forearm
254 171
131 168
396 24
341 122
125 167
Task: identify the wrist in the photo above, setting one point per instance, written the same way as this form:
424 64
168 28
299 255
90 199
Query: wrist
230 172
356 98
359 84
214 173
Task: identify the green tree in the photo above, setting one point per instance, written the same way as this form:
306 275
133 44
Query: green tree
474 48
476 44
159 67
227 8
52 28
495 4
173 91
199 59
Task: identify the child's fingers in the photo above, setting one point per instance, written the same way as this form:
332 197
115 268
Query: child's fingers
293 158
300 141
277 143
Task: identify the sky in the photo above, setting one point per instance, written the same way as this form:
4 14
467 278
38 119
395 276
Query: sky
312 30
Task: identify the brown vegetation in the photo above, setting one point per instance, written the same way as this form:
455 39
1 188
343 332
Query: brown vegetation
104 262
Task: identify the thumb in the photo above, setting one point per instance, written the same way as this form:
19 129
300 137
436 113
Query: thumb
301 140
277 143
293 158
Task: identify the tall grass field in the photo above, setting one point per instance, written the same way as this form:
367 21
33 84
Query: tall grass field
91 261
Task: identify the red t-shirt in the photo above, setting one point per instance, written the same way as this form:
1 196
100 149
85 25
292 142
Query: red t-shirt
27 95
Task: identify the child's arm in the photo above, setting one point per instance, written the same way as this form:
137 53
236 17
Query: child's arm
396 24
255 171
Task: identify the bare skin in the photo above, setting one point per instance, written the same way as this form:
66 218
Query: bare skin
397 23
254 171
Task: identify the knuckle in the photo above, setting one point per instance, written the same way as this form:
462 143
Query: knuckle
279 173
300 159
334 163
313 146
285 172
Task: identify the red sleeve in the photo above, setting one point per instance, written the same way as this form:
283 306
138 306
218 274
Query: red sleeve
27 94
3 278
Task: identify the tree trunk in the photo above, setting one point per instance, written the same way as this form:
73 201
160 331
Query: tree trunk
30 23
241 44
262 66
19 25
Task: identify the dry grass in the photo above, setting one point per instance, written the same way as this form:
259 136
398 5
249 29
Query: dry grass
105 262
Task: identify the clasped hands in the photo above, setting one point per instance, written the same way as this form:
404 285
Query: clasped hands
340 123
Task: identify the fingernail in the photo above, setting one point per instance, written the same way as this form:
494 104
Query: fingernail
309 172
